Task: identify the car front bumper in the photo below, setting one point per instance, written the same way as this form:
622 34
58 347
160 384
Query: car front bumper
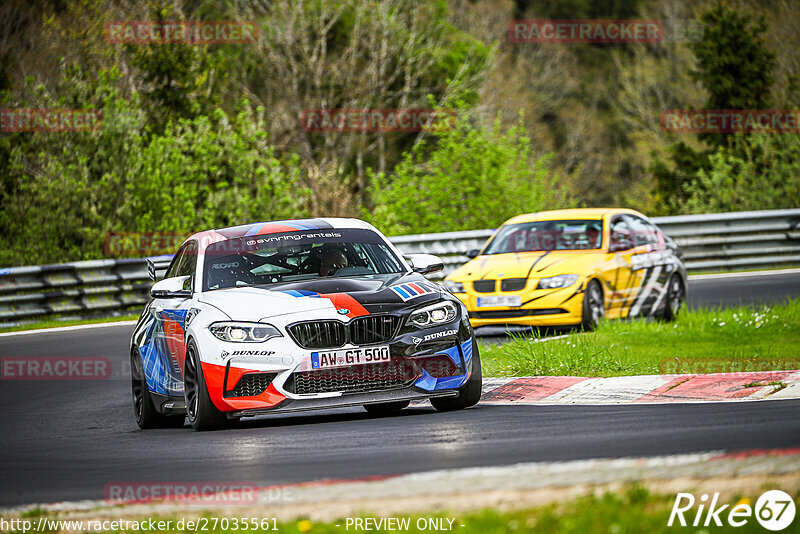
282 362
540 307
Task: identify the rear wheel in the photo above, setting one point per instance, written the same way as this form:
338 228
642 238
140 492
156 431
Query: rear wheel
143 408
470 393
675 298
386 408
202 413
593 306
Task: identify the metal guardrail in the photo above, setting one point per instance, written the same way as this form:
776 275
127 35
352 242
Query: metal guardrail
711 242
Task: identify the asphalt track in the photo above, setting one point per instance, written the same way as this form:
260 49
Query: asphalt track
66 440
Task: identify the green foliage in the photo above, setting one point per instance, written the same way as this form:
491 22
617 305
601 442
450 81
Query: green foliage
176 79
758 171
212 172
58 189
578 9
180 151
63 192
471 177
735 67
674 178
733 62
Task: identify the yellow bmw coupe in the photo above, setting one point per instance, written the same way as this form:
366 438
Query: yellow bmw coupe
572 267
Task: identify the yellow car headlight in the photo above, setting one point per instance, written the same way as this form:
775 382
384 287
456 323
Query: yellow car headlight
554 282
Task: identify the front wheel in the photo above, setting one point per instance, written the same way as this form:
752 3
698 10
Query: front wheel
202 413
676 295
470 393
593 306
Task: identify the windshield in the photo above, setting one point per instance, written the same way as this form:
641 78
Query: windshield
296 256
547 235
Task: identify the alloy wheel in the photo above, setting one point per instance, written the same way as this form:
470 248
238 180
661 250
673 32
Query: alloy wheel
596 304
190 384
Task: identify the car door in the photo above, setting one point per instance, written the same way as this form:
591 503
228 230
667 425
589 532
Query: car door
619 278
170 318
650 266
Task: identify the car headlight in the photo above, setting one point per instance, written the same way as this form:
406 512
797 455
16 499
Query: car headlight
454 287
562 280
433 315
244 332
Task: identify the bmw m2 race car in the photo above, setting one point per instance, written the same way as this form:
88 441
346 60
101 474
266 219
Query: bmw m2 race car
572 267
298 315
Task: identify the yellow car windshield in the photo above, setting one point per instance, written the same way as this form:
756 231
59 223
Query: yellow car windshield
547 235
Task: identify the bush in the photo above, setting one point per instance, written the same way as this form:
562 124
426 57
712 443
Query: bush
471 177
757 172
212 172
63 192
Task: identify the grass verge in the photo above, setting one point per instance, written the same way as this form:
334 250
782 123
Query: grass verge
55 323
700 341
634 509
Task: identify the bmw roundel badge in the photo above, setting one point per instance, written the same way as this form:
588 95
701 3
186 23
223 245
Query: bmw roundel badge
343 311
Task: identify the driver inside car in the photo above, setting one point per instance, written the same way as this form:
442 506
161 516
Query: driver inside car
332 261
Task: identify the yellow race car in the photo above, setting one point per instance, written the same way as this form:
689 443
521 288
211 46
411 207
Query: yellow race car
572 267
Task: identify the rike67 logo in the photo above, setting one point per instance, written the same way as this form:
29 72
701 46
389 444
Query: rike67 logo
774 510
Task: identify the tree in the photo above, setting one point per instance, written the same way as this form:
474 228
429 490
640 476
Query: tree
355 54
735 68
733 62
758 171
470 177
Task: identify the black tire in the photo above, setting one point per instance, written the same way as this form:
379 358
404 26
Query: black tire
386 408
143 408
202 413
470 393
593 306
675 298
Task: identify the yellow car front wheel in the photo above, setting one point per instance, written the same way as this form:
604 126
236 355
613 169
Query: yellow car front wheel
593 306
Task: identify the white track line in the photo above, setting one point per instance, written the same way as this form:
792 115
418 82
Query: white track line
693 277
68 328
613 390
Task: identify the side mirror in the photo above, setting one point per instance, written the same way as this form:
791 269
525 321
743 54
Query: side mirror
171 288
157 266
425 263
473 253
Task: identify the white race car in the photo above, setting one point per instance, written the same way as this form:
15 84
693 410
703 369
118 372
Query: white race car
297 315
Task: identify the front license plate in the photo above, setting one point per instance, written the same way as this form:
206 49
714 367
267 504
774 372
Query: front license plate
338 358
502 300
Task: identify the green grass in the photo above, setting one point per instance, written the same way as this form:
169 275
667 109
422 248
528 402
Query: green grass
632 510
702 341
55 323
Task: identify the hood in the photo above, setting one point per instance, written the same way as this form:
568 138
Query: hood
537 264
361 295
